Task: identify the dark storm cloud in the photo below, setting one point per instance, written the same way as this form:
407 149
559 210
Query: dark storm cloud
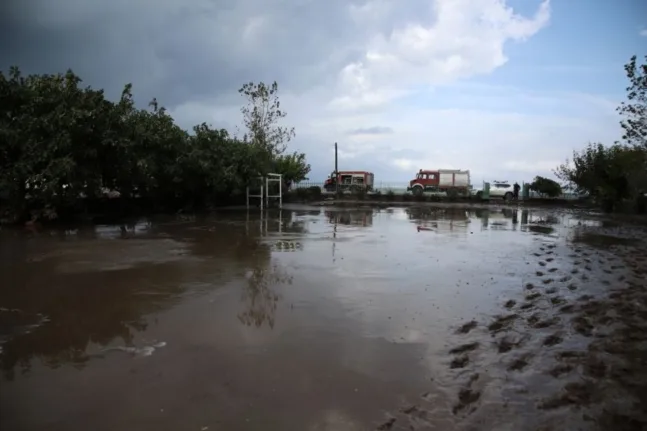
375 130
180 50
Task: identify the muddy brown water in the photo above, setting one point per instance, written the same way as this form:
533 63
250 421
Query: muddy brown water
313 319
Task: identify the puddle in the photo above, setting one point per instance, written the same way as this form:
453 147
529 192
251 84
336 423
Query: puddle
417 318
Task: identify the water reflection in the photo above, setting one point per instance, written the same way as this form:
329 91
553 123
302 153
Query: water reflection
440 219
72 292
362 218
539 222
259 297
82 309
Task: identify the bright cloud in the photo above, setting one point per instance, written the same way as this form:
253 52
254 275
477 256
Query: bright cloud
454 39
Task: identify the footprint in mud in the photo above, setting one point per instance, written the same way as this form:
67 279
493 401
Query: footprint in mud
530 286
574 393
526 305
537 322
466 397
464 348
583 325
561 369
539 274
567 308
541 263
547 280
553 339
574 271
501 322
508 343
572 286
594 367
387 425
467 327
551 290
533 296
416 413
510 303
549 259
552 270
557 300
584 277
588 267
459 362
565 278
537 254
520 363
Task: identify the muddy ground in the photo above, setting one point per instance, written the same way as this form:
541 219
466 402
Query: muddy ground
443 318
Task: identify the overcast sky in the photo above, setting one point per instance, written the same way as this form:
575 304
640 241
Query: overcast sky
506 89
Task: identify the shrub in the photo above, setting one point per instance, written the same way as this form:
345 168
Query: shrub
314 192
302 194
546 187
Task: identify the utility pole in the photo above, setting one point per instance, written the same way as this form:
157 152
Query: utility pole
336 172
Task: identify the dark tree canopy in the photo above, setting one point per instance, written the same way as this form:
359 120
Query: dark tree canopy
546 187
61 143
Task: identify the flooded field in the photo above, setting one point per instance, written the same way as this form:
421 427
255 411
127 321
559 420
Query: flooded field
311 320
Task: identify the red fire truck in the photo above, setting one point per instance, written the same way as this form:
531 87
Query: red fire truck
350 180
440 180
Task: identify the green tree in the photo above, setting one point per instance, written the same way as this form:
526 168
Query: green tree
62 145
50 130
293 167
616 175
610 174
546 187
635 108
261 117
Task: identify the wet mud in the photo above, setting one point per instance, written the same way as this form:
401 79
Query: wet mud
310 319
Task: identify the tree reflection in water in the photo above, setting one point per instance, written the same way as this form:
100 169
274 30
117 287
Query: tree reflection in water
260 298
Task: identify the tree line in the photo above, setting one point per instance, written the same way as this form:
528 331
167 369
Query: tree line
63 145
616 175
